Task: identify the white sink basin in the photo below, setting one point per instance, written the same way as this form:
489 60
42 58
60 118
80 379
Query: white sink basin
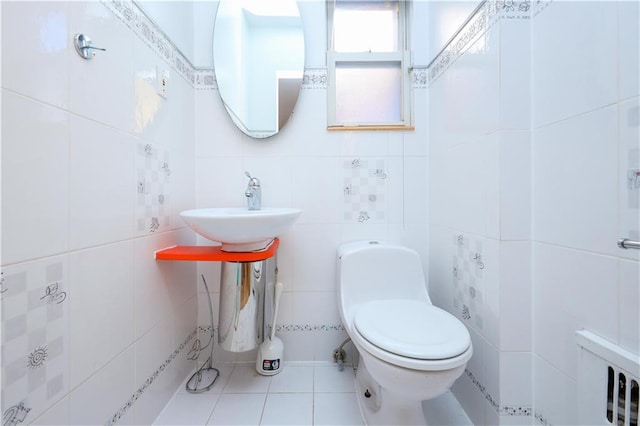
241 229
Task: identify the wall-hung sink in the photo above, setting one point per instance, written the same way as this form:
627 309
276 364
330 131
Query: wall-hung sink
240 229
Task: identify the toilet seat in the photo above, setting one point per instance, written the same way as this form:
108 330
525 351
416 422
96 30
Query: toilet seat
412 329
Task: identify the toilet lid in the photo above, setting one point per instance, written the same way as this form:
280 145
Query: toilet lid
412 329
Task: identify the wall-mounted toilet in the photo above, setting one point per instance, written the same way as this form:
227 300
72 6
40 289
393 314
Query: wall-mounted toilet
410 350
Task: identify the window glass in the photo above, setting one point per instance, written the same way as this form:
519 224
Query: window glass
368 92
365 26
368 64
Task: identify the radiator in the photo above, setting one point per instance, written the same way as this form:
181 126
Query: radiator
608 382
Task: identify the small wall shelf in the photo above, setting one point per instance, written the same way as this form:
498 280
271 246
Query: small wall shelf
215 254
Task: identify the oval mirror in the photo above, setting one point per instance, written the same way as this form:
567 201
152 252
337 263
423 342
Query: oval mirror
258 56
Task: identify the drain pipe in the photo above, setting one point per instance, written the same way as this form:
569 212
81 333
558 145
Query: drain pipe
339 355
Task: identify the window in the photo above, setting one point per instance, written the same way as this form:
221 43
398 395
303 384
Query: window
368 62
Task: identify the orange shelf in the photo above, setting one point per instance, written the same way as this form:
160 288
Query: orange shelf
215 254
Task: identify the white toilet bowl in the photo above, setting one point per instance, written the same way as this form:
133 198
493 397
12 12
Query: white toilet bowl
409 349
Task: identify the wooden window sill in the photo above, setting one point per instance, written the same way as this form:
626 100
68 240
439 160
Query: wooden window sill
373 127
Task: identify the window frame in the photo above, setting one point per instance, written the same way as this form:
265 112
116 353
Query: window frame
401 56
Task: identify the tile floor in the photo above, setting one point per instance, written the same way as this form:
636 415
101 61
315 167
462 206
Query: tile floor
302 394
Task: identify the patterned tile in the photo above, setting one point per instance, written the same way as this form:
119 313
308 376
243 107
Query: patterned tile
34 338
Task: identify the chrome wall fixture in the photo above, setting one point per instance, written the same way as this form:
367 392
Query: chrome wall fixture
626 243
84 46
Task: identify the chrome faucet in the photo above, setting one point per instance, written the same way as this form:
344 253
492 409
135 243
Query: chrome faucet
253 193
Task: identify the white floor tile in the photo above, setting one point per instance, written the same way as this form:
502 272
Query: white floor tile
330 379
288 409
188 409
339 409
245 379
292 379
238 409
301 395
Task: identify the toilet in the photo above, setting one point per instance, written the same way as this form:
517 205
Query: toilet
410 350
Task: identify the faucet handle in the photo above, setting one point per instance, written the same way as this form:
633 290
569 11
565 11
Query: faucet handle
252 180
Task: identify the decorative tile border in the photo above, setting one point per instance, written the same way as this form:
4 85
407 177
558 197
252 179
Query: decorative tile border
127 405
134 18
285 328
419 77
487 14
515 411
205 79
137 21
542 420
523 411
307 327
314 78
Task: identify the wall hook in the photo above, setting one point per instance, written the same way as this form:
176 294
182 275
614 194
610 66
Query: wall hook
84 46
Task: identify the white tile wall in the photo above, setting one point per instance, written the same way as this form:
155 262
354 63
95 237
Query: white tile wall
515 75
566 78
572 290
629 314
628 165
35 179
320 241
58 414
46 28
481 160
167 122
515 185
101 395
440 272
579 278
101 170
575 172
473 88
160 286
555 395
316 189
35 341
306 133
471 400
628 36
515 296
68 183
101 287
515 378
157 395
415 178
93 90
207 107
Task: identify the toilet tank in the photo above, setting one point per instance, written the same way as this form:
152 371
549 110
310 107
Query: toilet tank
372 270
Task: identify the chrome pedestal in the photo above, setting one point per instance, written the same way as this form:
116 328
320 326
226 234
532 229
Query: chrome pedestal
245 303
